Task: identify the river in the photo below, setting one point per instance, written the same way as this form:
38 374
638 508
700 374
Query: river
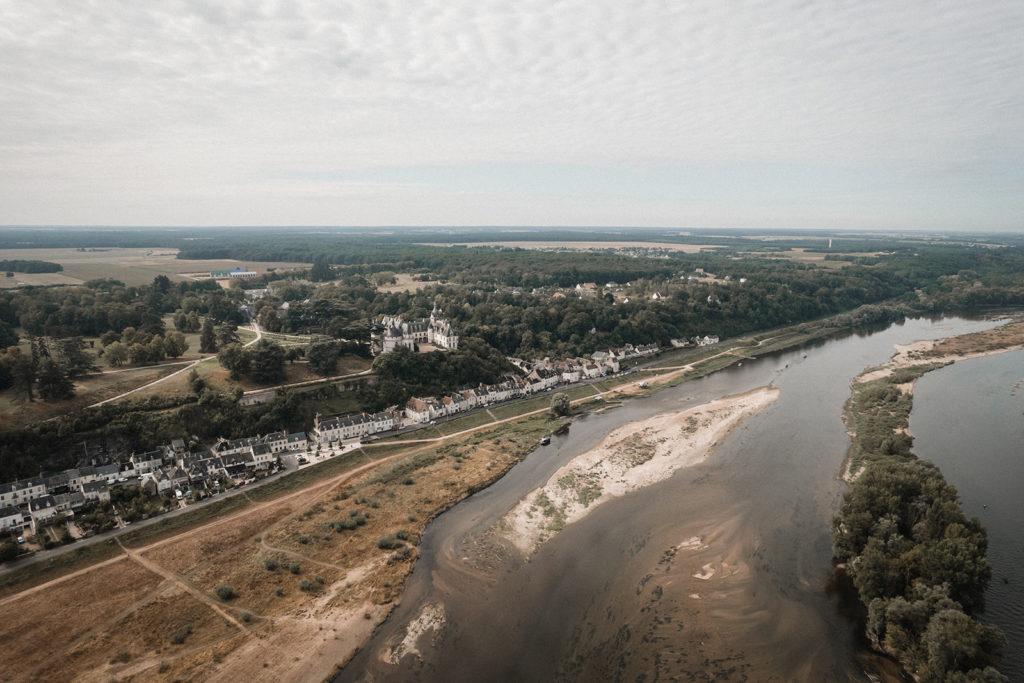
967 419
615 596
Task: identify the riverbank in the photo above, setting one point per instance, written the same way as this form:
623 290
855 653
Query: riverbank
878 418
918 563
630 458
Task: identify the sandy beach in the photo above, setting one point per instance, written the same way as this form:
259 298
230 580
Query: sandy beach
629 458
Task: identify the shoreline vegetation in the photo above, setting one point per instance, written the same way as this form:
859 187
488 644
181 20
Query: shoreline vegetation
630 458
918 563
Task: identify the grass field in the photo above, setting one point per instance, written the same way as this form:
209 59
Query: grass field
131 266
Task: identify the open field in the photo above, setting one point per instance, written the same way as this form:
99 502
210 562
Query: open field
404 283
802 255
587 246
16 411
131 266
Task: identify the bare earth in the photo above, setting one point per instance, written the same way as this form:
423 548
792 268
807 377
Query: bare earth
629 458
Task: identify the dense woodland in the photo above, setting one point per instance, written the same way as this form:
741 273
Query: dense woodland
917 562
29 266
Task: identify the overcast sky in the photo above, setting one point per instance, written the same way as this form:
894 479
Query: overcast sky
813 113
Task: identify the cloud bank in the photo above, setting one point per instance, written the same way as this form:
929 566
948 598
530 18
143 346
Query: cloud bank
846 114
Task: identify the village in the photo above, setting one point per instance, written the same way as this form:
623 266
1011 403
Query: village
51 510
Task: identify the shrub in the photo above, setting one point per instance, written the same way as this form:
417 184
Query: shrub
307 586
402 535
319 579
389 543
246 617
279 592
270 565
408 481
295 568
226 593
182 634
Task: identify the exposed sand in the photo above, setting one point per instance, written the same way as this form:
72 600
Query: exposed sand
629 458
429 620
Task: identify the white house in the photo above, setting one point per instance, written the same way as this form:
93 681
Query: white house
11 519
22 491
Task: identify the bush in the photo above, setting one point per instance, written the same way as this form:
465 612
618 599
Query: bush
389 543
295 568
182 634
560 405
270 565
246 617
308 586
226 593
279 592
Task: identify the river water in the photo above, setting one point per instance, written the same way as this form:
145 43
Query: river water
968 419
614 596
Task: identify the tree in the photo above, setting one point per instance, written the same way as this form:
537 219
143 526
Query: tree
207 340
181 321
175 344
73 357
235 360
323 358
321 270
195 382
227 334
268 319
155 350
7 335
162 284
955 642
22 371
267 364
53 381
560 405
116 354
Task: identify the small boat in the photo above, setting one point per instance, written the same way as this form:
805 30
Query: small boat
545 440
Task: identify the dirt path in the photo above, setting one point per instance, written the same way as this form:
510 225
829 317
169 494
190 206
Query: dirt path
259 335
184 585
284 551
309 382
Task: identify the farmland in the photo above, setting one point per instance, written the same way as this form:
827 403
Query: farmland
133 266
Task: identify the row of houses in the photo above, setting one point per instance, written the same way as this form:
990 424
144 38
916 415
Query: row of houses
171 467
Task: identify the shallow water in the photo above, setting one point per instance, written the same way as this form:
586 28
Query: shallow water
613 596
968 419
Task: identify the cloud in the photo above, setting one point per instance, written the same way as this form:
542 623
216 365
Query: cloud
141 112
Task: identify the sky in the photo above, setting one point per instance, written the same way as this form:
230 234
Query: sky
808 113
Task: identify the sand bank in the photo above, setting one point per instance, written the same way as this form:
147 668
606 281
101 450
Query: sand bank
629 458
